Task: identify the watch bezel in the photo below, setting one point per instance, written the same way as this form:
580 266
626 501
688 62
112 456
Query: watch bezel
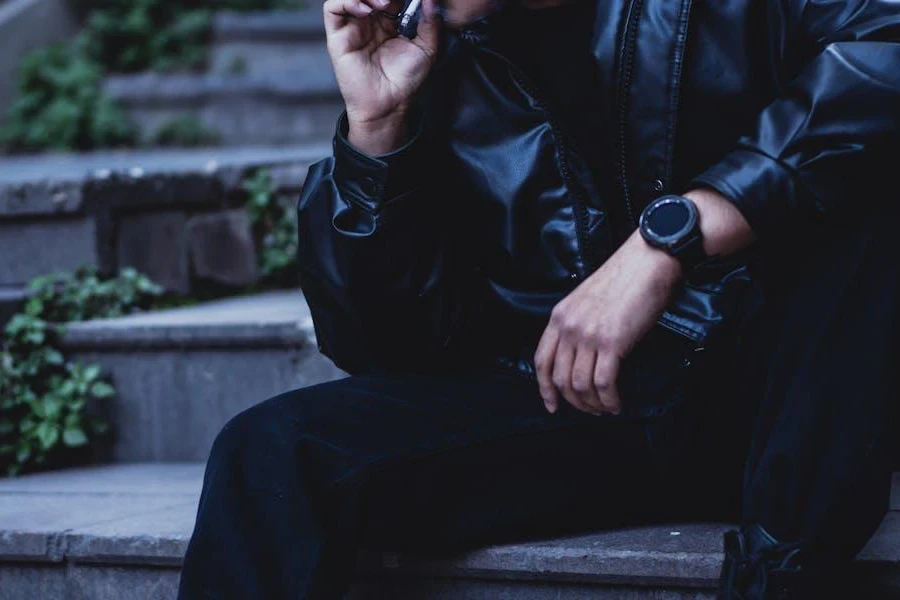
673 241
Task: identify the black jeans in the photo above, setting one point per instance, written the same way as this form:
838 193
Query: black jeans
429 463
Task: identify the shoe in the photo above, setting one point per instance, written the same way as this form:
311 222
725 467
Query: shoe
759 567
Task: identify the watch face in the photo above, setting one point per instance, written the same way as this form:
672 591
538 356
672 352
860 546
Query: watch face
668 220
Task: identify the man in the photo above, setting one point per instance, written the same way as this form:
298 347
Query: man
591 264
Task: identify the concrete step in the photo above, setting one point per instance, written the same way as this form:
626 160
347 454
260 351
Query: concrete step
289 107
182 373
269 42
269 81
117 209
119 533
11 300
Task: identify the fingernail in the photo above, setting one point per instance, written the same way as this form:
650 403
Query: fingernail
383 3
550 406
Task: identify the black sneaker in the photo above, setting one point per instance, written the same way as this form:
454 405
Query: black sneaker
759 567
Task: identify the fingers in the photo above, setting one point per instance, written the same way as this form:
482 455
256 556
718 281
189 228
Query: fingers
606 372
429 29
583 380
543 364
336 12
562 374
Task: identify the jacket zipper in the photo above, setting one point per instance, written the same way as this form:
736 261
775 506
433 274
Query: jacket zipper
627 62
588 258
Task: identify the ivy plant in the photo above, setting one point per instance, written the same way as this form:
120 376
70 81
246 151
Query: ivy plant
275 228
127 36
60 105
44 398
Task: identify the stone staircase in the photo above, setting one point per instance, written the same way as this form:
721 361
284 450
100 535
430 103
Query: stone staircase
269 82
119 532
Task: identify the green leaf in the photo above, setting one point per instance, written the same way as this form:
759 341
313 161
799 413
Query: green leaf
91 372
74 437
54 357
101 389
47 435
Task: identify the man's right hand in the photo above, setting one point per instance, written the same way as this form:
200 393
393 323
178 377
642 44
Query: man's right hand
378 72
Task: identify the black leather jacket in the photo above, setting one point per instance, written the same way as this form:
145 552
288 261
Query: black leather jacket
456 247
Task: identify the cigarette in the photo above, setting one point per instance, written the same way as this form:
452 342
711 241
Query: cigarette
409 13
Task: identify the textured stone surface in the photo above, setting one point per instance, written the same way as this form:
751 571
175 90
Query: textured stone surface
32 526
32 581
268 26
127 540
58 212
36 247
475 589
52 183
156 245
290 43
181 374
24 26
268 320
221 248
149 479
88 582
171 404
689 553
10 301
120 532
267 109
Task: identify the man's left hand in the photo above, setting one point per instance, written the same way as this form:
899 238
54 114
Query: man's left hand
593 328
598 324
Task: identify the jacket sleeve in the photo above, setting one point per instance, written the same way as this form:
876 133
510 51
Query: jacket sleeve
829 132
374 256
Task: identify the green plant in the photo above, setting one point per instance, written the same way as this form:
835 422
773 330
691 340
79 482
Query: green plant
44 399
275 227
60 105
185 132
136 35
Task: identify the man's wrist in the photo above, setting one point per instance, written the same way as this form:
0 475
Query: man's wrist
666 268
378 137
724 228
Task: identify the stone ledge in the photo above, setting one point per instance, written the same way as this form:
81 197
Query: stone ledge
50 184
269 26
192 90
270 320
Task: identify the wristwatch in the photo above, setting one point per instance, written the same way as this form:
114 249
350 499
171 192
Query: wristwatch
672 224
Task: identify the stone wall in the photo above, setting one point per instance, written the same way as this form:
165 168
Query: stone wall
24 26
177 216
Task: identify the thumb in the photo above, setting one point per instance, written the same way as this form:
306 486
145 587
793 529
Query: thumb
428 32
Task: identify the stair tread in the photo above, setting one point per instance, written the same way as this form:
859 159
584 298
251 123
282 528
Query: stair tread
268 26
276 318
144 514
52 185
152 88
40 168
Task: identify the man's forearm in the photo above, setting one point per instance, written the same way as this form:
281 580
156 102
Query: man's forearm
725 230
